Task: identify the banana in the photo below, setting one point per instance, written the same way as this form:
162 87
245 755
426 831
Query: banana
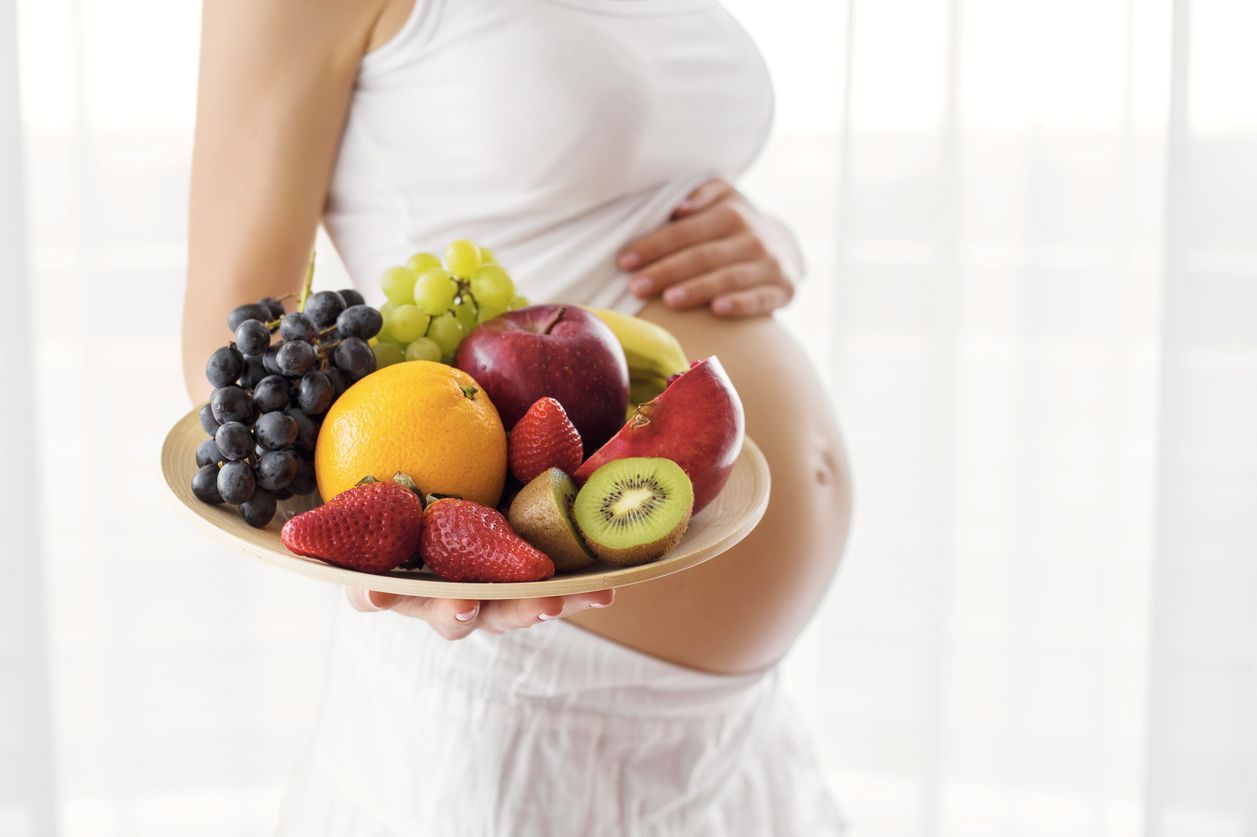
651 351
642 390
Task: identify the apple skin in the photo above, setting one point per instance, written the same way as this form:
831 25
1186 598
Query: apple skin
697 422
557 350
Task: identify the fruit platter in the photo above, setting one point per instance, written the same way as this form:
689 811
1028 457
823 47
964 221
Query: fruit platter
460 442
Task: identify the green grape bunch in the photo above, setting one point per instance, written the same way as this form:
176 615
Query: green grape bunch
432 305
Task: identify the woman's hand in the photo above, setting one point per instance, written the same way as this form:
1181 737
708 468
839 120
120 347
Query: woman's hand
456 618
717 251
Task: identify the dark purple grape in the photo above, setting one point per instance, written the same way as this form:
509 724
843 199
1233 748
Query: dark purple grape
351 297
324 307
205 485
315 394
253 372
339 382
298 326
230 403
354 357
307 429
247 312
275 430
271 393
235 482
297 358
208 454
259 509
304 482
270 360
284 494
234 441
274 306
253 338
276 469
208 423
359 321
224 366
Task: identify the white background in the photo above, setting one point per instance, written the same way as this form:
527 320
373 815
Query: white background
1032 230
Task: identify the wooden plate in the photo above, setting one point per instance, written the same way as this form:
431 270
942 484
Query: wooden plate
726 520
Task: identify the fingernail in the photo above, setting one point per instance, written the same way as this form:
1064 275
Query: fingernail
546 617
722 306
600 604
368 602
675 296
630 260
685 204
641 285
467 615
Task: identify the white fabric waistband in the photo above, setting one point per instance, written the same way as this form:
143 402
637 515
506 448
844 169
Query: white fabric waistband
552 666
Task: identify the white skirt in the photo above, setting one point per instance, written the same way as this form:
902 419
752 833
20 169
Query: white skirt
550 731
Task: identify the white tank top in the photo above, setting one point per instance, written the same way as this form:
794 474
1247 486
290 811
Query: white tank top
552 131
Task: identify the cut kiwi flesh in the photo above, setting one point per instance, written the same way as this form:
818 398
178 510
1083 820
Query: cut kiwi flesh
634 510
541 515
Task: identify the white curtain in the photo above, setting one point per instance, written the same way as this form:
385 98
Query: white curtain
1032 231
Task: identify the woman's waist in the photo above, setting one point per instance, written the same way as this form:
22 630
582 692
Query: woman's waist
552 669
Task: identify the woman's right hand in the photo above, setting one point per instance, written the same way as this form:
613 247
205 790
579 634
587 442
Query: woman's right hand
456 618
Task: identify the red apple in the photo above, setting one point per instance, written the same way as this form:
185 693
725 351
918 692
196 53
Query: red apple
557 350
697 422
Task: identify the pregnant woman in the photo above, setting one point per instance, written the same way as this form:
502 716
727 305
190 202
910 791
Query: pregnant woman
592 145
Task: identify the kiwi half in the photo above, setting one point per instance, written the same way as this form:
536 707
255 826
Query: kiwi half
634 510
541 515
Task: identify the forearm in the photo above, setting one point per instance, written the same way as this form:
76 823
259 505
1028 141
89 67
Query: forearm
275 83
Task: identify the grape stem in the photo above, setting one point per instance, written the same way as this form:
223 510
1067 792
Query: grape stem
307 284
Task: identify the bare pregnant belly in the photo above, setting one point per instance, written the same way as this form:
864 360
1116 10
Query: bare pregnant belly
742 610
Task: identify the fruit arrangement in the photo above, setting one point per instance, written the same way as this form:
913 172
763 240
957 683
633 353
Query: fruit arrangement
400 418
272 384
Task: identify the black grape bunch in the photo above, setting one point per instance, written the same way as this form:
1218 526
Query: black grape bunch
273 383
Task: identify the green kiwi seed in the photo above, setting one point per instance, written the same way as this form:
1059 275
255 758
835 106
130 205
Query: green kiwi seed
634 510
541 514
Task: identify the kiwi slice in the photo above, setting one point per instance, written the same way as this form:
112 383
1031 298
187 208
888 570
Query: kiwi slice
634 510
541 514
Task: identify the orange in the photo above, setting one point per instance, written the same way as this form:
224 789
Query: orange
426 419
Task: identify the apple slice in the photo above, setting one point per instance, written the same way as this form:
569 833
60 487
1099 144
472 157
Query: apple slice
697 422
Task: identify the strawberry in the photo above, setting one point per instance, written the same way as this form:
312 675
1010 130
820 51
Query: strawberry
372 527
465 541
544 438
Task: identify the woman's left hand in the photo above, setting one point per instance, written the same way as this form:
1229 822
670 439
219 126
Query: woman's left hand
717 251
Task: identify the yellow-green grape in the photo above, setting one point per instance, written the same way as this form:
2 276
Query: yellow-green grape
465 312
434 292
518 303
398 284
425 348
487 257
385 311
386 354
492 287
462 258
447 332
420 262
486 313
406 323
